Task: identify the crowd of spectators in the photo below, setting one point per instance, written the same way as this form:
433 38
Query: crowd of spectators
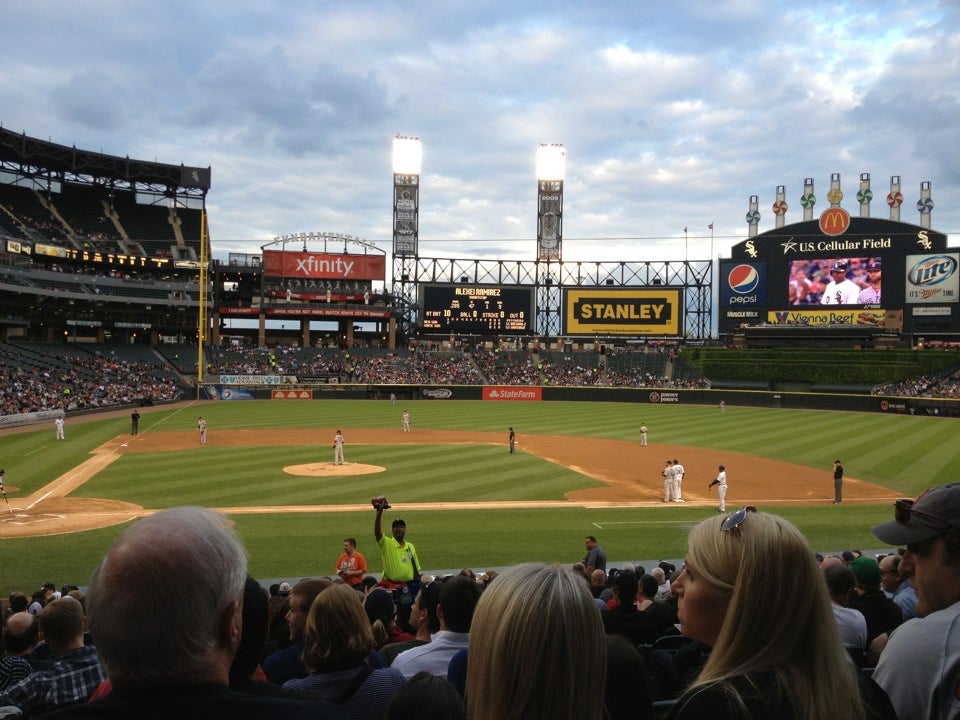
925 386
87 381
607 641
80 382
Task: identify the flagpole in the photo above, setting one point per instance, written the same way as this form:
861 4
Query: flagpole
686 254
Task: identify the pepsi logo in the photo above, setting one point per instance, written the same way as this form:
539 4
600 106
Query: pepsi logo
743 279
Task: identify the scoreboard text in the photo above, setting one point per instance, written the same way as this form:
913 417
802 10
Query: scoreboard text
481 309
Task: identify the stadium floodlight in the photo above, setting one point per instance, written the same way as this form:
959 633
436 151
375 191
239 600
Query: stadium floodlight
551 162
407 155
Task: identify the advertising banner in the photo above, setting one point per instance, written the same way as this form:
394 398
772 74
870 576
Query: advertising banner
324 265
291 394
743 284
497 392
812 318
932 278
597 311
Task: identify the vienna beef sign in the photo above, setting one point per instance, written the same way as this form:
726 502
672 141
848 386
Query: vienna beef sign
324 265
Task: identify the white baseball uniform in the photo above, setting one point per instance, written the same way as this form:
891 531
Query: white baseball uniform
842 293
722 489
677 482
338 449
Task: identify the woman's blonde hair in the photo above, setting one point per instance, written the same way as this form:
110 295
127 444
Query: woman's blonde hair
779 622
337 634
537 648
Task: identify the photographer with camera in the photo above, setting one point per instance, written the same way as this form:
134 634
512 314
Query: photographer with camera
401 565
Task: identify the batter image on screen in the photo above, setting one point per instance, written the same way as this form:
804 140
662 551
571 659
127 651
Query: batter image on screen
835 281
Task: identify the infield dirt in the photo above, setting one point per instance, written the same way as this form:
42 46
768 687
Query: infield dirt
630 473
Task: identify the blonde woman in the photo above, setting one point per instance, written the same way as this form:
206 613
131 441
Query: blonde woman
537 648
752 590
338 641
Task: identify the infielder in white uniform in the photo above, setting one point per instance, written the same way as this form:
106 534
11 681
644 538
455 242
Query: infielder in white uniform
406 421
668 481
840 291
58 423
338 448
721 481
202 427
677 481
643 434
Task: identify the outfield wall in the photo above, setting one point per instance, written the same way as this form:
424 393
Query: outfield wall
655 396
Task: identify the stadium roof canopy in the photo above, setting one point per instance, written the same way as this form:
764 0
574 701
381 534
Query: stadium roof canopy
32 158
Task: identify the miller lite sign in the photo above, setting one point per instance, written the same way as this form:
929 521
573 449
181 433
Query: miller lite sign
932 278
743 284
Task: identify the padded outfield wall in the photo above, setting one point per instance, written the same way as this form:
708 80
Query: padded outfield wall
273 388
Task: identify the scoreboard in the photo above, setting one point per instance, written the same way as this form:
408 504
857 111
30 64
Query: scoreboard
479 309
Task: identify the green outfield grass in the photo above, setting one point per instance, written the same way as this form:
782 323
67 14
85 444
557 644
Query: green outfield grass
907 454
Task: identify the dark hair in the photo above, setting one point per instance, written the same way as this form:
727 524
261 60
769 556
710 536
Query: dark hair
351 541
397 522
629 688
840 580
426 697
254 635
458 598
649 586
18 602
429 599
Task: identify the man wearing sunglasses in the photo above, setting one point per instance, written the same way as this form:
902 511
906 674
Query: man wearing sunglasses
919 667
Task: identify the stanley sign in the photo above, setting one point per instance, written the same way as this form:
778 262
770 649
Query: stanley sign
621 312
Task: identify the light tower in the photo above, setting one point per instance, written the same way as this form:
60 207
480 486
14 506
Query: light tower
407 158
551 167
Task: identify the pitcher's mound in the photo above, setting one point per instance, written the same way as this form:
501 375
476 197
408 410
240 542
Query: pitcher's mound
328 469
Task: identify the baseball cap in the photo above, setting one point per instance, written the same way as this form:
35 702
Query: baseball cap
379 605
627 582
934 513
840 265
283 589
874 265
866 570
398 521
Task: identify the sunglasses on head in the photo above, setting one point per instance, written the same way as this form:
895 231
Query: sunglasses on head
903 510
735 520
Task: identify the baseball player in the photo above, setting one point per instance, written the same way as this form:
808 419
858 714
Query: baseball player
513 442
870 295
58 423
721 482
338 448
406 421
677 481
840 290
643 434
202 427
3 492
667 473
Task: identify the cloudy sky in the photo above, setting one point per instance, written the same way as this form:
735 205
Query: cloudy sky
672 114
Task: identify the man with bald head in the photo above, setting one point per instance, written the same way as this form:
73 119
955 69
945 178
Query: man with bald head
21 637
165 613
74 676
14 668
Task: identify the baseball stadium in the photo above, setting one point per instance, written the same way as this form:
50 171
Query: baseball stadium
119 318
